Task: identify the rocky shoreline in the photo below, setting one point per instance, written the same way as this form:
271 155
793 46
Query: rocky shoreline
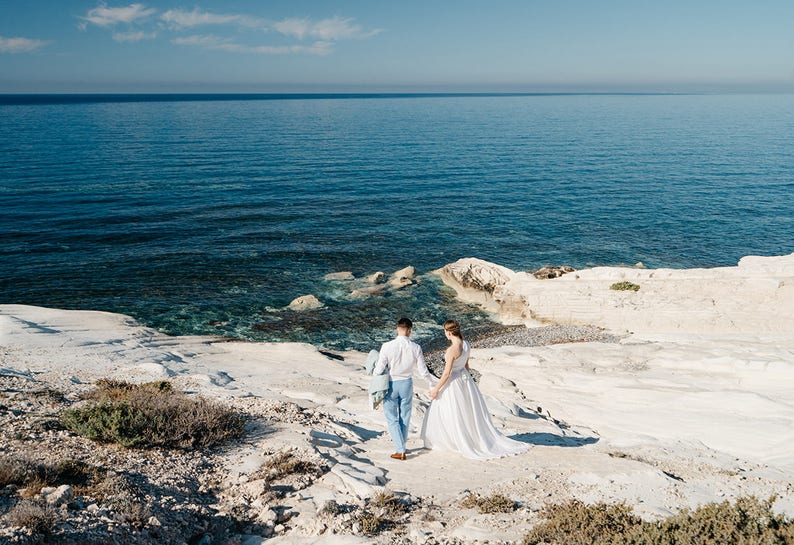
669 397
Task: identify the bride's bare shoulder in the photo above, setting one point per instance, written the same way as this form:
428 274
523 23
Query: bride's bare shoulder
454 351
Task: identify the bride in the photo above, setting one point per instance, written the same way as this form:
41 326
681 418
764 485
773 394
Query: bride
458 418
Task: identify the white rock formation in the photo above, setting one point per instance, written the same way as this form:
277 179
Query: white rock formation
757 296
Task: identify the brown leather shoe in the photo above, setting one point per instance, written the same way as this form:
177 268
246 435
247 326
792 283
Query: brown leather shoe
399 456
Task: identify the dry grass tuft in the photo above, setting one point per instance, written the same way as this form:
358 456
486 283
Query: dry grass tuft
389 505
371 524
287 463
495 503
747 521
383 511
152 415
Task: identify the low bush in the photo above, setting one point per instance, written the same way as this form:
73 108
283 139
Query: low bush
744 522
578 523
152 415
36 516
24 471
624 286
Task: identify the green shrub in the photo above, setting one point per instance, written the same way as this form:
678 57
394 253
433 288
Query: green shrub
747 521
152 415
624 286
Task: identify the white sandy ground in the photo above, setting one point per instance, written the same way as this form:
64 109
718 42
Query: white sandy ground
670 417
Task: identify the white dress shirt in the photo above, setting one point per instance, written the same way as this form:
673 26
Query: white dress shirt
401 356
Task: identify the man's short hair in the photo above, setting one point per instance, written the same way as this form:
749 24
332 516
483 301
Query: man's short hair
405 323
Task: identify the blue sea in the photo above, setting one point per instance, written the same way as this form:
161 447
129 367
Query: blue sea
209 214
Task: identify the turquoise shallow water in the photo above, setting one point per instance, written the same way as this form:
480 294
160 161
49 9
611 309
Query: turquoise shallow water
209 216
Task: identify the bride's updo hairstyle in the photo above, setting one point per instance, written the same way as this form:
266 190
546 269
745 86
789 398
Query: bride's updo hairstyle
454 328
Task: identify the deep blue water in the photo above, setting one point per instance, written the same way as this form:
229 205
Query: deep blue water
209 215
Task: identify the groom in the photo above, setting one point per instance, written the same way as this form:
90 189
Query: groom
400 356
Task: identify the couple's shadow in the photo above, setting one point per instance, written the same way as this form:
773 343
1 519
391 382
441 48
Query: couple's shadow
534 438
553 440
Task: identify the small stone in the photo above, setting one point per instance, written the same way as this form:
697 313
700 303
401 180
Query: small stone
305 302
267 516
154 521
58 496
279 528
93 508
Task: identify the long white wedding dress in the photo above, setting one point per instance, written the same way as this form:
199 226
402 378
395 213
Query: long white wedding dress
458 419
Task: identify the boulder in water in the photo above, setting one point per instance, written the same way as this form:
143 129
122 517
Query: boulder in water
476 274
403 277
305 302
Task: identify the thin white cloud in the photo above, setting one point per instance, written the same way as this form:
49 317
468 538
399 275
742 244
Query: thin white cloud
20 45
104 16
134 36
206 41
335 28
222 44
178 19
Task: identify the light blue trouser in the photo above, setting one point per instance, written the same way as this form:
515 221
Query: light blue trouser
397 406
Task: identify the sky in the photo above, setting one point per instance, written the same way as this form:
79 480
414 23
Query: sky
275 46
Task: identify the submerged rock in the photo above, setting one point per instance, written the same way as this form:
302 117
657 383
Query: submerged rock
344 275
305 302
363 293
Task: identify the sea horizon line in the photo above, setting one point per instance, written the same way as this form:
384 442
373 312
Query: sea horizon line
78 98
